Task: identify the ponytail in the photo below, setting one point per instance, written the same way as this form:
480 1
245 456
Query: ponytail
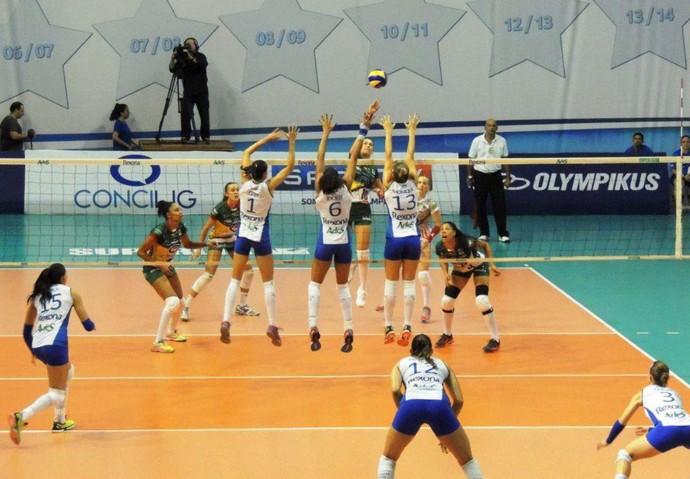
256 170
659 373
163 207
53 274
421 348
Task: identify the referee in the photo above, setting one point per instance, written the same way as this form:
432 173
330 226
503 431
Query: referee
486 180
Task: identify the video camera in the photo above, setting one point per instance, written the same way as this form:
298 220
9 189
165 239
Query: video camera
180 50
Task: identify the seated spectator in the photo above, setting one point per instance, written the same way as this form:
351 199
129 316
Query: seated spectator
638 147
684 151
122 135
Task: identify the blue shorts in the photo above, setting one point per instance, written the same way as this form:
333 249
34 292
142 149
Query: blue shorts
244 246
665 438
339 253
415 412
408 247
52 355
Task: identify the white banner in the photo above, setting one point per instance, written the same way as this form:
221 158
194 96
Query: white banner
136 183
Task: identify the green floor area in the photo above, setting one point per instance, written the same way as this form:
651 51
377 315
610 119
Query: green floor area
114 238
646 301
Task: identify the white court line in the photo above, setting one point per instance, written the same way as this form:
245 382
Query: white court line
580 305
309 429
325 376
358 335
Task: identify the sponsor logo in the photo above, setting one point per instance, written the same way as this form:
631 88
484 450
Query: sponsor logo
601 181
137 190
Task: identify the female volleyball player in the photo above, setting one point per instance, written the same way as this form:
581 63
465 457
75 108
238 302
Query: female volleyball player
403 248
366 181
256 197
671 423
45 333
428 208
333 202
425 401
223 223
458 248
161 244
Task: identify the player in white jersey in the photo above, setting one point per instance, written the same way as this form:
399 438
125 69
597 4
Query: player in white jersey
427 383
671 423
45 333
256 197
427 210
403 248
333 202
222 224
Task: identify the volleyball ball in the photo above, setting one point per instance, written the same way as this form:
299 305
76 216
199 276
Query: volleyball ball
377 78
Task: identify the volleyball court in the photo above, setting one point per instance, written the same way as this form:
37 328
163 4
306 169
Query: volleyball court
249 409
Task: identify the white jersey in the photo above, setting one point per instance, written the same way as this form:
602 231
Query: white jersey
334 210
421 379
255 204
664 406
402 203
53 317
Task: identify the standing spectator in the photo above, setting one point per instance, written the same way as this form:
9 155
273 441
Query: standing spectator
486 180
190 66
122 135
638 147
12 138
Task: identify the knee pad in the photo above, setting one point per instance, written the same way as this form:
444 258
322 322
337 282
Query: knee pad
447 304
202 281
624 456
363 254
344 292
452 292
70 373
56 395
481 289
247 278
482 303
269 287
389 288
409 290
172 303
424 278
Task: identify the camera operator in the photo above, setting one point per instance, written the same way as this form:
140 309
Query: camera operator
11 136
190 65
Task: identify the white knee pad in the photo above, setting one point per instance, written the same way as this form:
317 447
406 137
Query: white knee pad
56 395
409 291
482 303
247 278
624 456
424 278
70 373
344 293
172 303
202 281
390 288
447 303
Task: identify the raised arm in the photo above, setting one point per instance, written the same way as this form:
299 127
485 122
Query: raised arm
411 125
275 135
388 126
364 127
278 179
327 125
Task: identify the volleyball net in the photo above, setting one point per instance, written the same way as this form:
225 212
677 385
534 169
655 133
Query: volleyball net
96 212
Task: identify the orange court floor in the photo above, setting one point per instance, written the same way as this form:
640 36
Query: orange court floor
535 409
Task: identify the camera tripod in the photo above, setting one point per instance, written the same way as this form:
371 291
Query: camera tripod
172 89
